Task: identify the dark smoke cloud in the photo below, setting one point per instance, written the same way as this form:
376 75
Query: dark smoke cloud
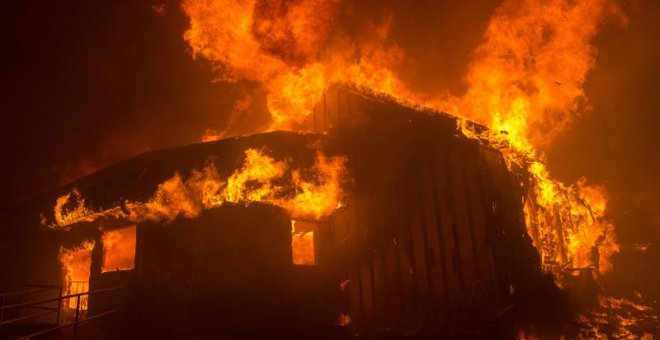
86 84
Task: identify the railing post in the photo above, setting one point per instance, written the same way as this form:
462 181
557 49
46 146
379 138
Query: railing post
75 322
2 312
59 307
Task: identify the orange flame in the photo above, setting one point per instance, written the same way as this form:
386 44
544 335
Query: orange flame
302 243
257 168
525 82
284 45
527 76
322 194
76 263
77 211
118 249
314 196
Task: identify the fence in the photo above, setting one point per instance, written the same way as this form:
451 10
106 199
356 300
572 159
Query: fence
81 303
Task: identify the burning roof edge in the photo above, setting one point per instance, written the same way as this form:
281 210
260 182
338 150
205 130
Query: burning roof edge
138 176
129 173
388 99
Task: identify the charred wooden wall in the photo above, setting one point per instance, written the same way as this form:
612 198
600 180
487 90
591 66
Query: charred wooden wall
432 237
228 272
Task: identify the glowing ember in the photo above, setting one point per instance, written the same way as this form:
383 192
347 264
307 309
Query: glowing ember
525 82
118 249
344 320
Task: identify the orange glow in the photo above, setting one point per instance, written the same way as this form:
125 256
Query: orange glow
302 242
212 135
282 44
312 193
259 169
568 224
524 81
320 196
344 320
70 208
118 249
255 42
527 76
76 265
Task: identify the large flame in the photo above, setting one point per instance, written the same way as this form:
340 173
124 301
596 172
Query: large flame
305 193
75 263
285 46
525 81
527 76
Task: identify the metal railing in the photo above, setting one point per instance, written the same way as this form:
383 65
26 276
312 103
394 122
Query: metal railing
20 296
76 287
79 315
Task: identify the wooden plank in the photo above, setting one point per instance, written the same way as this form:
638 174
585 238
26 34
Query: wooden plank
365 258
405 263
452 279
355 290
418 257
477 223
394 258
457 202
486 200
435 265
376 245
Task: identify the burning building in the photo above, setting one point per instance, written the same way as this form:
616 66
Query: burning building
381 220
352 204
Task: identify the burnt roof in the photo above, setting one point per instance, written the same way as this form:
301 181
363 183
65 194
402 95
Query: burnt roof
357 113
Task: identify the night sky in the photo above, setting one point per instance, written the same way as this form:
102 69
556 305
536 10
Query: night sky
86 84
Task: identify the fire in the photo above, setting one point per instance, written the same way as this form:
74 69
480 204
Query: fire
257 168
305 193
525 81
77 212
317 197
568 224
286 46
118 249
75 263
302 243
256 33
527 76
